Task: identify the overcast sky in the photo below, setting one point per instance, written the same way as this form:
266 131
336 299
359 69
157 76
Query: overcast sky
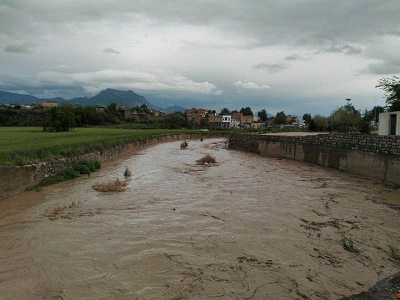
300 56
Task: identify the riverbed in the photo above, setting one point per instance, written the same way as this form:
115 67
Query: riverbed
249 227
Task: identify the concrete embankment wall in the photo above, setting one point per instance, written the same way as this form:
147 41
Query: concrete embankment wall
15 179
372 156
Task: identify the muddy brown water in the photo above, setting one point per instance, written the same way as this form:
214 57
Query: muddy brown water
250 227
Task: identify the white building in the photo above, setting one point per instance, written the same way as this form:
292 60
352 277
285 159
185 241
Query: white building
389 123
226 121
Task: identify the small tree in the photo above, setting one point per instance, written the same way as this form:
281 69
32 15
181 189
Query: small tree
60 119
392 88
373 114
320 123
262 114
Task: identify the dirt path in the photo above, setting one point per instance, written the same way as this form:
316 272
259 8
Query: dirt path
248 228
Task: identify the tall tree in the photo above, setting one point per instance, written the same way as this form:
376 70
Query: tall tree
262 114
391 86
225 111
373 114
246 111
307 118
280 118
345 118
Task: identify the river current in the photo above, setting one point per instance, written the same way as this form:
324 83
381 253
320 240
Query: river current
250 227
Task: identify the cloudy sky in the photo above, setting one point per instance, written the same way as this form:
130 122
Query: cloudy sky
300 56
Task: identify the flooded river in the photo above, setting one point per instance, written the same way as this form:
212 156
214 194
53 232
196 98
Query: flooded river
250 227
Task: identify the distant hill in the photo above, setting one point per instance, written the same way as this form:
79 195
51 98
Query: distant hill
174 108
104 98
108 96
14 98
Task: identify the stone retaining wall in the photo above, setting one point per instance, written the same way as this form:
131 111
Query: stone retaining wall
15 179
373 156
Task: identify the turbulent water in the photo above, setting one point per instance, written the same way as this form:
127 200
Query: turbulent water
249 227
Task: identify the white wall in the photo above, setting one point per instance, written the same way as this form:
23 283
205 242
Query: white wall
384 123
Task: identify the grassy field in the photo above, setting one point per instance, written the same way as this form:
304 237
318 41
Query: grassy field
24 145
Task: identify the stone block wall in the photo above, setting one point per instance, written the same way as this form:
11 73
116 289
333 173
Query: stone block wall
371 156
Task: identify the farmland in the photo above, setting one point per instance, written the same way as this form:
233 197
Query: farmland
24 145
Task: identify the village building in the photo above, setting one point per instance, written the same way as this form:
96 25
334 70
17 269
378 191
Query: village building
389 123
226 121
48 104
215 122
195 115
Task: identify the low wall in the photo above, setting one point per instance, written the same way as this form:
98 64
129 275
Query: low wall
15 179
372 156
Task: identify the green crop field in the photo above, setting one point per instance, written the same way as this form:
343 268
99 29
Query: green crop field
24 145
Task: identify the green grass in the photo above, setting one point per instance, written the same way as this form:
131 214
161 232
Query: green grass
24 145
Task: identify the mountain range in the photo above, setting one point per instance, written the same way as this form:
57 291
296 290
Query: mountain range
128 99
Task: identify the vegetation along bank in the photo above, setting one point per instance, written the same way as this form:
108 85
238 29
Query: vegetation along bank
28 155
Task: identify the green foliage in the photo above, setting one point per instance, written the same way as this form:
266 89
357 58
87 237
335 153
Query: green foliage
262 114
321 122
175 120
345 118
246 111
280 118
373 114
307 118
60 119
85 166
364 126
391 86
225 111
66 174
348 245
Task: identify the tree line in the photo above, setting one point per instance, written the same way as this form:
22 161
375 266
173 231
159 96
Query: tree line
347 118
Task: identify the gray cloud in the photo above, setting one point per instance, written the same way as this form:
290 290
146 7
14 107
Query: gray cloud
390 32
268 21
201 46
111 51
250 85
270 67
296 56
384 68
18 48
346 49
94 82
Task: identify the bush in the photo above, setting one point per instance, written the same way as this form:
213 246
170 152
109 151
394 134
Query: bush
84 166
348 245
127 172
87 166
184 145
112 186
394 252
206 160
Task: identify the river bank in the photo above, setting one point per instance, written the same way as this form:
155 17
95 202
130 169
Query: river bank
102 147
250 227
